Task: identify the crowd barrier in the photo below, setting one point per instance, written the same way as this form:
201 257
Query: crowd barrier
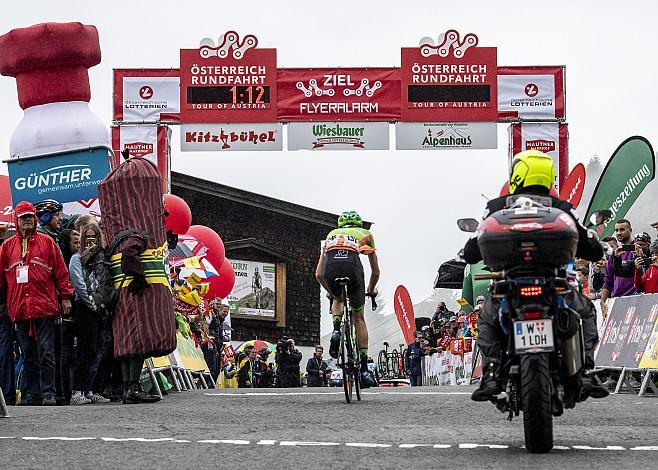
183 366
628 341
446 368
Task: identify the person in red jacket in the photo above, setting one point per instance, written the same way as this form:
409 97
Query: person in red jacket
646 280
34 273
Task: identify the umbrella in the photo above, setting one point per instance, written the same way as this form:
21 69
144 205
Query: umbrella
256 343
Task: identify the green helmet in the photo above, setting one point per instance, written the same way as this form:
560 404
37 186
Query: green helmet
351 218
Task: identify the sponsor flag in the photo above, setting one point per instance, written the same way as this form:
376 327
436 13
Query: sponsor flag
629 170
572 189
6 207
404 310
551 138
146 95
531 93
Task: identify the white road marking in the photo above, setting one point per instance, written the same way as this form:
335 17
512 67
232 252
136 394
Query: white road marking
363 445
286 394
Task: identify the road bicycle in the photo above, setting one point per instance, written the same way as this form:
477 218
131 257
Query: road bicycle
348 359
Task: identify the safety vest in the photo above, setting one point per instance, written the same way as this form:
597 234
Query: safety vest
153 261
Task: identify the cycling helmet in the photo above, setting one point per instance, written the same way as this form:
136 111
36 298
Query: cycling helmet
350 218
531 168
45 210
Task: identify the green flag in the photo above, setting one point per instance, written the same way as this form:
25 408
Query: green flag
627 173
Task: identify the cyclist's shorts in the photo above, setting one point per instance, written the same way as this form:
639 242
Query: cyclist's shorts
346 263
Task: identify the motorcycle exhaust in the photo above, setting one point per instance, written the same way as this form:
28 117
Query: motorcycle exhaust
570 340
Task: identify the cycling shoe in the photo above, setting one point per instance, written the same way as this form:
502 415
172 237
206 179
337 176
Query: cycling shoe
334 344
366 380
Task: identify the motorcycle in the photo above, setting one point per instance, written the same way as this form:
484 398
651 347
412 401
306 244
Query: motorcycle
526 246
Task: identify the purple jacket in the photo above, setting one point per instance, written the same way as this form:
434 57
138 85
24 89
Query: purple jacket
617 285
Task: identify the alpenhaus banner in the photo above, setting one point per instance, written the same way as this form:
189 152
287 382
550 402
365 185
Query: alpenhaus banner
629 170
353 94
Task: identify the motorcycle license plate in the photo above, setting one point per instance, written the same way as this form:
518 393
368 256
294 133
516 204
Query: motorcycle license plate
531 336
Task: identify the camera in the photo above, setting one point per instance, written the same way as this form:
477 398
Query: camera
646 261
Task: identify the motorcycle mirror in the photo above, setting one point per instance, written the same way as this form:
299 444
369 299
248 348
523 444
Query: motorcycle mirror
467 225
599 217
386 344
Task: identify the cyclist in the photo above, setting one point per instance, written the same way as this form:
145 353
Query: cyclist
533 173
340 258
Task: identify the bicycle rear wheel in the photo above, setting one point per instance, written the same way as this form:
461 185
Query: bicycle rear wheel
357 363
346 355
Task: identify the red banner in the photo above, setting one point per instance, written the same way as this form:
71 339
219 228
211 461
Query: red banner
146 95
368 94
404 310
453 81
6 207
230 83
147 141
572 190
551 138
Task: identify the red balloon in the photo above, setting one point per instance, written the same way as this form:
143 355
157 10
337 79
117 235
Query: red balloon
180 215
211 241
504 191
222 285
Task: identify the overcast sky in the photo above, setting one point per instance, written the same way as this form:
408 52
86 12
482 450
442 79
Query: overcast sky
413 197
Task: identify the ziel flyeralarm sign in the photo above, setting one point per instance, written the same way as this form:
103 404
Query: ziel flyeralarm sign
453 81
65 177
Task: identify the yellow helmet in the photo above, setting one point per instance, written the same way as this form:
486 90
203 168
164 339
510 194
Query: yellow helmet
531 168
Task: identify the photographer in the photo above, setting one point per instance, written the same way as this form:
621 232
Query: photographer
316 369
646 271
413 364
287 360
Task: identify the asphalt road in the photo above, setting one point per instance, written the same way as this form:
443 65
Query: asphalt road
437 427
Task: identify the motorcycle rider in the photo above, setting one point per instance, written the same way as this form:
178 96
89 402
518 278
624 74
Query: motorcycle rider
533 174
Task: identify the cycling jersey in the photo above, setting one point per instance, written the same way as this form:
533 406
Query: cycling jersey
350 238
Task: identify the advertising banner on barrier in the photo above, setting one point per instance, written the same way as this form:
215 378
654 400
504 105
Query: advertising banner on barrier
232 81
630 169
146 95
147 141
531 93
551 138
404 311
65 177
338 136
213 137
254 293
445 368
453 81
627 331
445 135
334 94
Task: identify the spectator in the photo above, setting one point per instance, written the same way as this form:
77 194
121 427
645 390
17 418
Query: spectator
453 328
442 312
34 274
316 369
245 363
263 376
615 283
7 339
84 220
646 277
414 354
287 359
88 322
69 243
49 214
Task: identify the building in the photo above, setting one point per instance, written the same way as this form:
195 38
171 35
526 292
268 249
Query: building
276 236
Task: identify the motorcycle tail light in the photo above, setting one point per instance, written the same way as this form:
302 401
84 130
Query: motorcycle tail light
530 291
532 315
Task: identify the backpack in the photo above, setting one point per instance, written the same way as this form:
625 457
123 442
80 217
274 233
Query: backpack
97 272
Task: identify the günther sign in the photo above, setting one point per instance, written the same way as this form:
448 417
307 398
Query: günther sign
65 177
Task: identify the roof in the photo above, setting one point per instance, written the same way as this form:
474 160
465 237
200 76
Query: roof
260 246
230 193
